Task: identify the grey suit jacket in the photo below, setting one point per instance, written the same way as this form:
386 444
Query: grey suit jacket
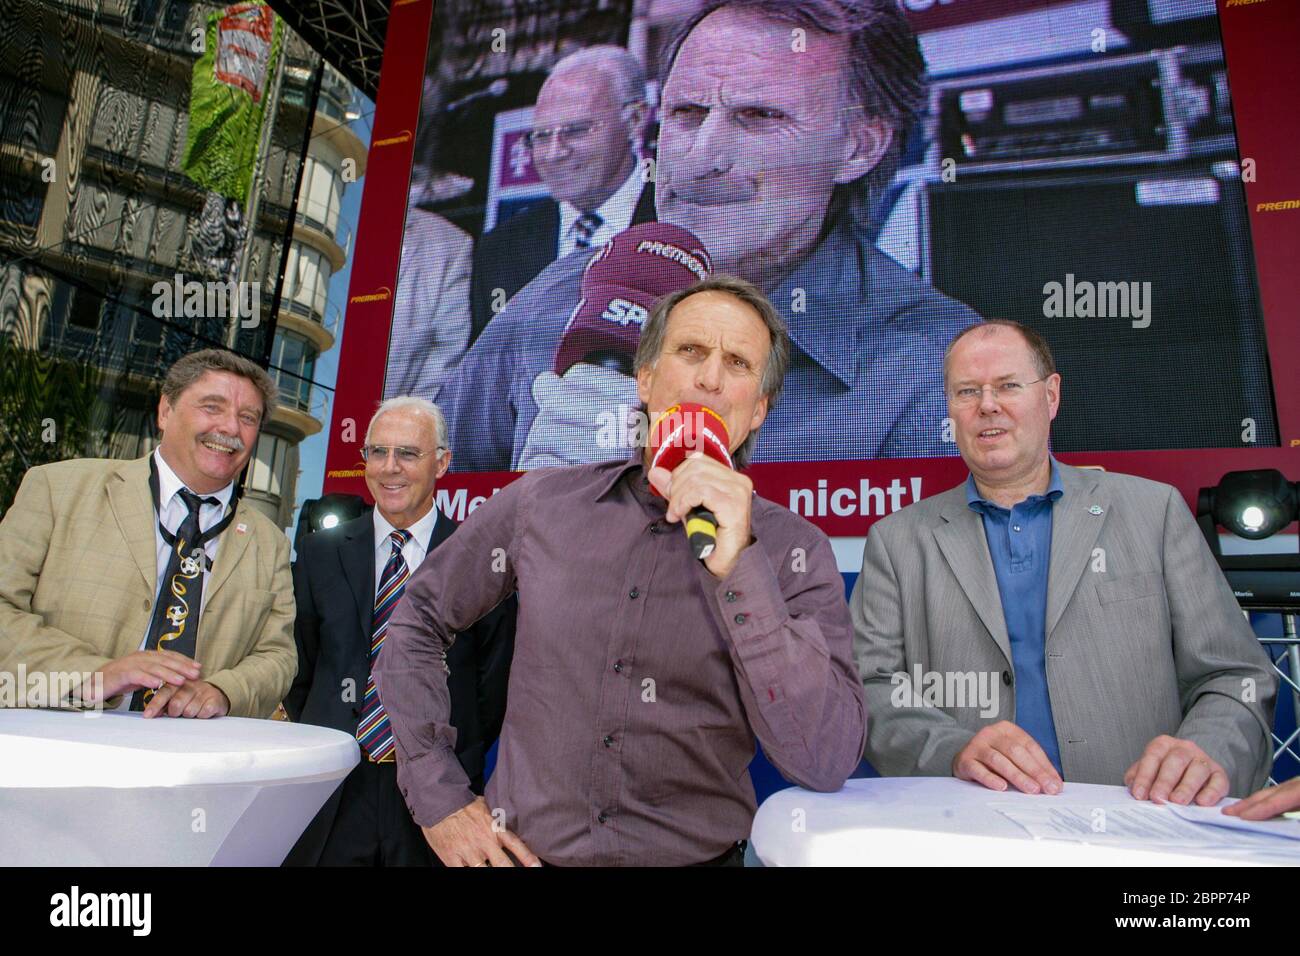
1143 635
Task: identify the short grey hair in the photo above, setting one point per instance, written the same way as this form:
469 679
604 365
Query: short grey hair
623 70
412 403
655 330
188 369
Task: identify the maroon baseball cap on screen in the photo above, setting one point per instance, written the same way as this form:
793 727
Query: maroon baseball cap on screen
621 284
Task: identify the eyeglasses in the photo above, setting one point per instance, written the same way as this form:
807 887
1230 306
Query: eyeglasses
405 454
567 135
1006 392
570 133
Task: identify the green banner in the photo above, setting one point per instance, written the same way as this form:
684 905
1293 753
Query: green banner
228 93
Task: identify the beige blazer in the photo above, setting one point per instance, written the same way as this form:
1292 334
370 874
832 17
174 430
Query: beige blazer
1143 635
78 571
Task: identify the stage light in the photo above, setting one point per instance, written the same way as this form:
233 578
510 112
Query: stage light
326 512
1254 505
1252 518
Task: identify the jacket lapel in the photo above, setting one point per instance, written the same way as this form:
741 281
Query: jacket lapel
442 529
1075 530
534 256
233 544
133 510
357 556
961 539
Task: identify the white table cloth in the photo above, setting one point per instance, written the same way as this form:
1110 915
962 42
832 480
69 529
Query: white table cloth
87 789
941 821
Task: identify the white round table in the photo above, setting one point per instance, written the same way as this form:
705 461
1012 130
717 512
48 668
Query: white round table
941 821
110 788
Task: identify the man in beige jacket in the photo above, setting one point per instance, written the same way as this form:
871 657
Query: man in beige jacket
148 584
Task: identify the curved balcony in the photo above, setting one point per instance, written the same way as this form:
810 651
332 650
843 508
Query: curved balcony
316 215
319 329
302 407
315 232
338 132
336 94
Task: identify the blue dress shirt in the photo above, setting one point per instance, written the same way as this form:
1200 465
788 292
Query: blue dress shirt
1020 543
865 378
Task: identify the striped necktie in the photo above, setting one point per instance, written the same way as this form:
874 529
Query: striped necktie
584 227
374 732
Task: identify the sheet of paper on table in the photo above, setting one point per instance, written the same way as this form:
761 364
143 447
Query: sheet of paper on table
1214 817
1144 824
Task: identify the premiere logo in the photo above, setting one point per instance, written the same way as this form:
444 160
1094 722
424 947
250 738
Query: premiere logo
403 137
383 293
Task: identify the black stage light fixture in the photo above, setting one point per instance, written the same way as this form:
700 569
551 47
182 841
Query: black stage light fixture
325 512
1254 505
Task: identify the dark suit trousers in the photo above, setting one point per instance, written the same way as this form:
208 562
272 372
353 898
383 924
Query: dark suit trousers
373 826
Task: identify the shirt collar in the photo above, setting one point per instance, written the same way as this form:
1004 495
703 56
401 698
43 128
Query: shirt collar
169 483
610 473
616 211
979 503
421 531
826 283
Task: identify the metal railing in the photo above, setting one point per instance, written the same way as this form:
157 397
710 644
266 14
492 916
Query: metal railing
327 316
301 393
336 94
1284 653
331 319
297 307
316 215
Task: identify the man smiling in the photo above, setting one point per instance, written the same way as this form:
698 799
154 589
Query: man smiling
642 677
587 127
152 575
347 583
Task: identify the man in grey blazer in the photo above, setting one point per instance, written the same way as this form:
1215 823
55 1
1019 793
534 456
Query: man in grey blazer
1043 623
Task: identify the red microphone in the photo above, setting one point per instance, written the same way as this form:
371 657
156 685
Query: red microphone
680 431
619 287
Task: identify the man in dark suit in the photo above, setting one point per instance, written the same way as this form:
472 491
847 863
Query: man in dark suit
587 125
347 582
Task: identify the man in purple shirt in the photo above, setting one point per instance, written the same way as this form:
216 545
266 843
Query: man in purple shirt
641 676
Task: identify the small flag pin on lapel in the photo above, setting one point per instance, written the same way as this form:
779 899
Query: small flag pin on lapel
242 528
1095 510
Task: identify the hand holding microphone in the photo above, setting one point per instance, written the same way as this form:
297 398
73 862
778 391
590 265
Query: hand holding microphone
691 467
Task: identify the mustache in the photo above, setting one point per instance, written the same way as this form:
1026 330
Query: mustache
714 190
233 442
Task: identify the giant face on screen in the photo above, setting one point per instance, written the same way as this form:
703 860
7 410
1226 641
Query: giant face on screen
888 173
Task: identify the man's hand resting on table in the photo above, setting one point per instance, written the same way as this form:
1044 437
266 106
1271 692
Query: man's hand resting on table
142 670
196 698
470 837
1176 771
1002 754
1269 802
